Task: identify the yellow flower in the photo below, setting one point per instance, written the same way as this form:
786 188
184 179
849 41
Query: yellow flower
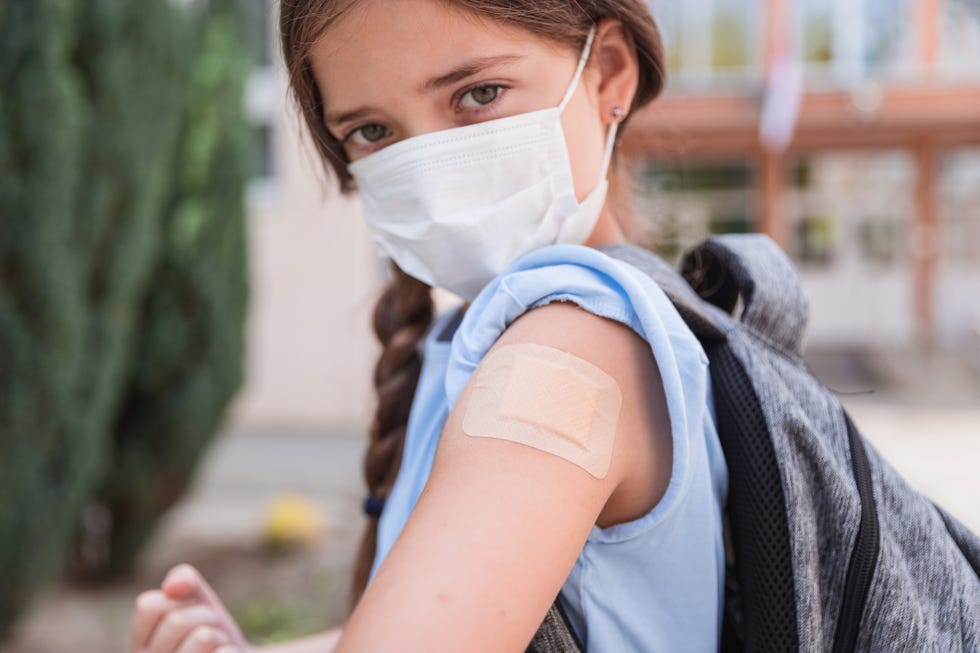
293 519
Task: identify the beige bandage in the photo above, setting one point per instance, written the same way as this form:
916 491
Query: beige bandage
547 399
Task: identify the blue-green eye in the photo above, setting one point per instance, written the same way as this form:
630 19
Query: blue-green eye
368 134
480 96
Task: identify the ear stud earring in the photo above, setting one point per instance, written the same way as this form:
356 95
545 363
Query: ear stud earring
618 112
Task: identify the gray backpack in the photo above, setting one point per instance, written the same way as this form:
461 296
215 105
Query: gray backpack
829 549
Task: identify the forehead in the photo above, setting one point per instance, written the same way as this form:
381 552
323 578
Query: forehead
381 44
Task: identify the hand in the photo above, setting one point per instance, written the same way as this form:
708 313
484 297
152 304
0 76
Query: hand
184 616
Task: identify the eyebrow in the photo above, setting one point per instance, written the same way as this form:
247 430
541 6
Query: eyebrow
458 74
467 69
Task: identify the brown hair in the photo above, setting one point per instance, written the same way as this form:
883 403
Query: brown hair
404 311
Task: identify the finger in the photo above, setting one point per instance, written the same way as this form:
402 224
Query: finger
185 581
181 582
177 624
148 609
203 639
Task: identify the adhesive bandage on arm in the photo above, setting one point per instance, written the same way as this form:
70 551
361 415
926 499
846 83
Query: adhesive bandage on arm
547 399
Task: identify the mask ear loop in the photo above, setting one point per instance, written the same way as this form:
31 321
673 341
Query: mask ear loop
610 144
583 58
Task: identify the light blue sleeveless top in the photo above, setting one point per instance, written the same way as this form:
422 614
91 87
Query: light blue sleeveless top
651 584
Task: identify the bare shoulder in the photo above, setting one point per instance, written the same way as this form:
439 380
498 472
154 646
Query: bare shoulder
615 347
641 451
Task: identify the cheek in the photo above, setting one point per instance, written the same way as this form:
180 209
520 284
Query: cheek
585 137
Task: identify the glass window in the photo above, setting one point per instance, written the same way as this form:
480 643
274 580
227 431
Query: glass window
815 240
960 36
667 13
707 39
960 207
678 205
817 43
856 38
850 208
889 37
880 240
733 36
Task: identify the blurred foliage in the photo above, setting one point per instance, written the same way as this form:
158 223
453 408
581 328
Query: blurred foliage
270 621
123 155
186 362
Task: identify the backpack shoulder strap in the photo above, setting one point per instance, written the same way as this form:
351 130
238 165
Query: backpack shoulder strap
751 268
703 318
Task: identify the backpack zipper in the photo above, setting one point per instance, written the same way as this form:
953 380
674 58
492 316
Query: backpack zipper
864 556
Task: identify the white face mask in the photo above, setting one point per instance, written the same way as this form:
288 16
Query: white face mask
453 208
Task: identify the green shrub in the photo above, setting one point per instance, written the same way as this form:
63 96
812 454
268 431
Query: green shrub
122 282
187 359
41 313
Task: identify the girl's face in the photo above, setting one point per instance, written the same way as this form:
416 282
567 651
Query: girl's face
393 69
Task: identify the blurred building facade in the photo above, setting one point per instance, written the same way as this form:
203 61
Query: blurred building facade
849 130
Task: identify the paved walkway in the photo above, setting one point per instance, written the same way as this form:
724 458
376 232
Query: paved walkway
246 469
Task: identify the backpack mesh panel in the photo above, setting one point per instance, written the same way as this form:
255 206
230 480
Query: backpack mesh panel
756 509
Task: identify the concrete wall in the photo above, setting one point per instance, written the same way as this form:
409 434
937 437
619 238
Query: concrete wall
314 276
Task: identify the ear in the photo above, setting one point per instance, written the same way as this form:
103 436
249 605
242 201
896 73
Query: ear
619 71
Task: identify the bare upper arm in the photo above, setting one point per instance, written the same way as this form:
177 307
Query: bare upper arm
500 524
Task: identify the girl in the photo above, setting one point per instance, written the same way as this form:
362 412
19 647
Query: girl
554 437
